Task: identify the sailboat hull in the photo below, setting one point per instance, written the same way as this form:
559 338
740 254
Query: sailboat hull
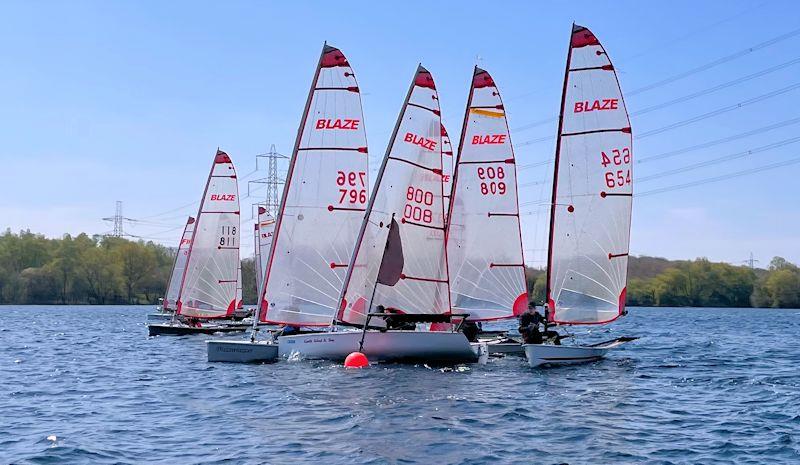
242 351
387 346
553 355
183 330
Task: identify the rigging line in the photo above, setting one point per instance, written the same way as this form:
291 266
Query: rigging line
717 62
724 85
685 74
719 111
723 177
714 142
725 158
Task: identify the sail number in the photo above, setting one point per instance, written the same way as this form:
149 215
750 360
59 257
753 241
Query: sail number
352 186
227 237
415 209
617 157
491 184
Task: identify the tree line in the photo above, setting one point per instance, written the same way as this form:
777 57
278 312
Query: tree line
109 270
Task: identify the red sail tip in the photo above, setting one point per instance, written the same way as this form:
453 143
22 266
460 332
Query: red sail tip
261 210
444 132
582 37
191 220
482 79
424 79
222 157
332 57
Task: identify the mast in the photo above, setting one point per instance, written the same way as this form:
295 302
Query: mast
547 306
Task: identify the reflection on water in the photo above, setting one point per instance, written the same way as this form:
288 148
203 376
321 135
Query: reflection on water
701 386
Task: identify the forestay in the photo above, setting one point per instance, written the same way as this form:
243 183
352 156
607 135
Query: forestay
209 285
409 186
323 202
178 266
264 231
484 246
592 191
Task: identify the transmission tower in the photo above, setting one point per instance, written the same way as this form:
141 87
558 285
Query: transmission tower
273 181
118 220
751 262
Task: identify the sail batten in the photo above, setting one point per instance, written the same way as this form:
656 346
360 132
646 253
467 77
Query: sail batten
484 241
592 191
323 201
210 282
410 188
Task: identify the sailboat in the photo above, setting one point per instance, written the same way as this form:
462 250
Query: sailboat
321 210
170 299
484 245
408 198
590 214
209 283
264 230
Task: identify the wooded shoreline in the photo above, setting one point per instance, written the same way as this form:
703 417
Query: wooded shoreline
100 270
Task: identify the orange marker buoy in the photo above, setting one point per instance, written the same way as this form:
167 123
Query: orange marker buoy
356 360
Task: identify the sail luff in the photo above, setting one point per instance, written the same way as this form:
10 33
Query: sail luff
286 185
548 308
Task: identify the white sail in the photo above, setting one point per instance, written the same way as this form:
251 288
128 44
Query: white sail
209 285
257 259
592 191
447 170
484 248
239 303
265 229
174 284
323 202
409 187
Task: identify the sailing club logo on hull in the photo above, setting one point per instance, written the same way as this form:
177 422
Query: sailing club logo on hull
351 124
424 142
223 197
489 139
598 105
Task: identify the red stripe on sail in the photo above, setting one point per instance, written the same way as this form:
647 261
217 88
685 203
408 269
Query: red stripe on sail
482 79
582 37
332 58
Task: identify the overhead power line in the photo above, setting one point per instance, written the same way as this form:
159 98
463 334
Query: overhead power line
733 156
714 142
723 177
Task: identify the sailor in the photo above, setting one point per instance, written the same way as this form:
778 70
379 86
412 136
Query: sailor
392 322
471 331
529 323
286 330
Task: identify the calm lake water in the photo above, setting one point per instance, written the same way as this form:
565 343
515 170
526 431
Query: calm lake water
701 386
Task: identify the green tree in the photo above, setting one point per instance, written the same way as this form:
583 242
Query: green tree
136 261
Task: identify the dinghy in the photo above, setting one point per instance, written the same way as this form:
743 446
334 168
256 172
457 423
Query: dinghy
321 210
169 302
484 239
209 283
590 214
406 208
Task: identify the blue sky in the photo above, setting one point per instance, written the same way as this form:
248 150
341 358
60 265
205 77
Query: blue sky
105 101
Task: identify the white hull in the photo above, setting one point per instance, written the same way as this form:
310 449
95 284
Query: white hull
502 346
548 354
419 346
242 351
